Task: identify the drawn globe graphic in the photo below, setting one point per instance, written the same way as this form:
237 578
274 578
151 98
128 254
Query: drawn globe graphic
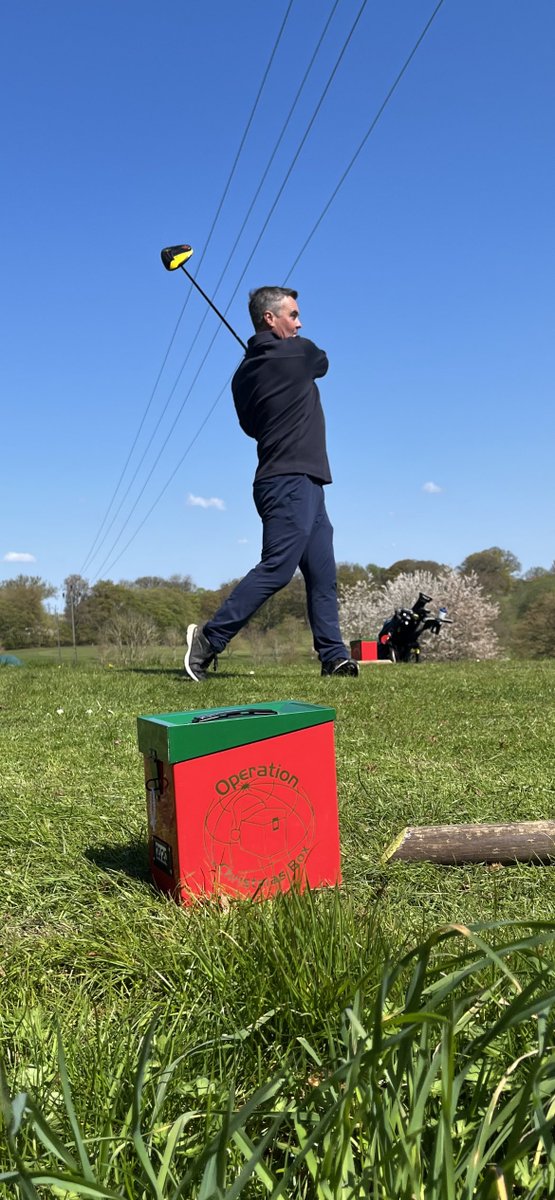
259 829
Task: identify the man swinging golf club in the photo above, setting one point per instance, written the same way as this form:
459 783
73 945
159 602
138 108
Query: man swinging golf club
278 404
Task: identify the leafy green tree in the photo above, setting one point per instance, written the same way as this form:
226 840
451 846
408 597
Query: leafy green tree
514 604
349 573
496 569
409 566
75 590
376 573
534 635
103 602
23 620
183 582
164 607
168 607
210 599
535 573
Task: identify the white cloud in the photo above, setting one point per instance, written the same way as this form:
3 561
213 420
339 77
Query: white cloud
243 541
431 487
18 556
204 502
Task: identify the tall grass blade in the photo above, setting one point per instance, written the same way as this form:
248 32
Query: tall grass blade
254 1155
138 1085
70 1110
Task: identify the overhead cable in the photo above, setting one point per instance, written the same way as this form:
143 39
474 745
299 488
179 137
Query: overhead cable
362 144
206 314
176 468
90 554
370 129
241 277
159 452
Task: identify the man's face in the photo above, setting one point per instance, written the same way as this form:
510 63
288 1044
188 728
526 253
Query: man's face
285 323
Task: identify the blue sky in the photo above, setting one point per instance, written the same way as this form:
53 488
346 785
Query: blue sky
429 280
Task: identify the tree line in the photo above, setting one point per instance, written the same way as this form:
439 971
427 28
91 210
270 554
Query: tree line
154 610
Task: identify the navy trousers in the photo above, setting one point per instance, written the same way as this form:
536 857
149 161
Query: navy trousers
297 532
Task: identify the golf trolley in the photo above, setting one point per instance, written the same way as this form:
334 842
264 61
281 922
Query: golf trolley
398 637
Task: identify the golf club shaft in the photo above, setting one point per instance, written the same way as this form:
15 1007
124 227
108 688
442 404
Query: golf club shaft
213 306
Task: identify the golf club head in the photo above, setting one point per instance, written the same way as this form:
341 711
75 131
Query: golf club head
174 256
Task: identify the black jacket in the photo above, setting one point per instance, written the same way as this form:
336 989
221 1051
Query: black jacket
278 404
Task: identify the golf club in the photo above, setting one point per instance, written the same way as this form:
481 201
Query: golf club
176 256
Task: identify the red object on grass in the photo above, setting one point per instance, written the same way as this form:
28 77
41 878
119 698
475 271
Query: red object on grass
364 651
243 819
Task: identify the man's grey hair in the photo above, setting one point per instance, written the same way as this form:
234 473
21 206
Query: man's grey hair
267 299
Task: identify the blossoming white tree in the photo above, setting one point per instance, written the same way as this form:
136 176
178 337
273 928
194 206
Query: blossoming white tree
364 607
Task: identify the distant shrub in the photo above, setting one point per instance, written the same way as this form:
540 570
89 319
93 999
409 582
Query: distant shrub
534 636
126 638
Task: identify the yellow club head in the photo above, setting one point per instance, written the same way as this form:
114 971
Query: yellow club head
174 256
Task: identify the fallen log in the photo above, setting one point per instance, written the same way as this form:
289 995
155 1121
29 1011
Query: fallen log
523 841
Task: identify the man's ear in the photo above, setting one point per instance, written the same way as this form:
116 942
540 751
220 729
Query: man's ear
269 318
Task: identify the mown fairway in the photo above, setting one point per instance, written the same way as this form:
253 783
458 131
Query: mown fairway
86 942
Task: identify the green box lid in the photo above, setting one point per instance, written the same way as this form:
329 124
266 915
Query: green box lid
176 737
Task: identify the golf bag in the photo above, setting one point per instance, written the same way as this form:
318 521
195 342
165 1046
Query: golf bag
398 637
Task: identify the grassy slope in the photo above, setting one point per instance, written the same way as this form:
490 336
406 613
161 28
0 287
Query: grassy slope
85 938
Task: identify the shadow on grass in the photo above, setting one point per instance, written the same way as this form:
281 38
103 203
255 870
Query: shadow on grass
213 676
178 673
131 860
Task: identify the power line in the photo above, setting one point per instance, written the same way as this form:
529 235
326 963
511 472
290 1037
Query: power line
90 554
249 123
177 467
160 451
277 144
222 274
241 277
370 129
264 226
147 447
301 144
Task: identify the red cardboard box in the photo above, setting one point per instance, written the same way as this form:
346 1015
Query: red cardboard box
364 651
241 801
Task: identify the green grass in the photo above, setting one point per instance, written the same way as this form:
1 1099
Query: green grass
259 992
37 656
